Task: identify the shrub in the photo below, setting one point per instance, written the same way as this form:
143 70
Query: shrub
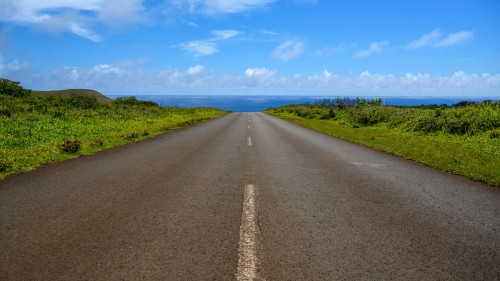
367 115
83 102
132 136
11 88
97 143
134 101
495 135
3 167
71 146
5 112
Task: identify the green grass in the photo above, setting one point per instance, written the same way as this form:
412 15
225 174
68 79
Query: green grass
39 130
465 142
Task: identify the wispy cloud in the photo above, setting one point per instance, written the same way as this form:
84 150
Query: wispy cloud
224 34
209 46
331 50
375 47
437 39
76 16
267 32
290 49
200 48
217 7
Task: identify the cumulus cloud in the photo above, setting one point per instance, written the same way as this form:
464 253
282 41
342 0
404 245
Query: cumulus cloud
437 39
375 47
259 72
124 76
197 69
290 49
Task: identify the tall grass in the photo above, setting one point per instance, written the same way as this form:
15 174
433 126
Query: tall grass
463 140
38 130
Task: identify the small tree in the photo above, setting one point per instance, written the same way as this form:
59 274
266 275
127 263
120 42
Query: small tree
11 88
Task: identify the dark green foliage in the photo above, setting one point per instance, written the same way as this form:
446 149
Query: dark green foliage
369 115
464 119
97 143
3 167
71 146
134 101
5 112
83 102
464 103
11 88
132 136
339 103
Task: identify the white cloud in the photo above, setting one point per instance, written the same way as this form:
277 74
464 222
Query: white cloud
437 39
83 32
121 77
331 50
290 49
455 39
118 12
200 48
16 65
77 16
209 46
259 72
268 32
375 47
216 7
197 69
224 34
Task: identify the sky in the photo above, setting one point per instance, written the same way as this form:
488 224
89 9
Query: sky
257 47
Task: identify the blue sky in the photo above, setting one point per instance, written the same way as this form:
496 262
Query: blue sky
389 48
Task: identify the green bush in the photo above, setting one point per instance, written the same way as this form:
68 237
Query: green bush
133 101
11 88
71 146
465 119
83 102
3 167
5 112
369 115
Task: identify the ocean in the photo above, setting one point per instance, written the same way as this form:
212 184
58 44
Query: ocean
243 103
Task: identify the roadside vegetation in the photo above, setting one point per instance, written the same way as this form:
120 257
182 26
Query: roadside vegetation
42 129
462 139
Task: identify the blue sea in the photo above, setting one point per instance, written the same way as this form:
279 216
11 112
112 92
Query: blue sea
242 103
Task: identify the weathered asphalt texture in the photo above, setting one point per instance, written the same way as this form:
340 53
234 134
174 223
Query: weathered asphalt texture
170 208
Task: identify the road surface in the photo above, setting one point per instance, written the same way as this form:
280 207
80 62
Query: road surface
247 197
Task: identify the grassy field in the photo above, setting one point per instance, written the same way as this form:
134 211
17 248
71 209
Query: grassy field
461 140
42 129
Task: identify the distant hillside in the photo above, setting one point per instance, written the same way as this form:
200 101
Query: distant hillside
75 92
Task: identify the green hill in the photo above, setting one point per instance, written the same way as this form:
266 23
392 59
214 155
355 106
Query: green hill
75 92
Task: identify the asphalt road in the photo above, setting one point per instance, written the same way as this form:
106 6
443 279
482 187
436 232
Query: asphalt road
246 196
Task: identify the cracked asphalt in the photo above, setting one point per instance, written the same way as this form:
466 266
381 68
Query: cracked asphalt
170 208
